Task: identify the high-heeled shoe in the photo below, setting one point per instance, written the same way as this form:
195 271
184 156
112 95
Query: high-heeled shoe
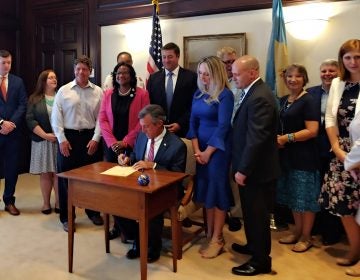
353 271
204 245
214 249
346 262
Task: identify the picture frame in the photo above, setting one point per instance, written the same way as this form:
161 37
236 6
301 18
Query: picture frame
197 47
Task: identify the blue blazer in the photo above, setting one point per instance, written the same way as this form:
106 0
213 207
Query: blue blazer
15 106
323 141
170 156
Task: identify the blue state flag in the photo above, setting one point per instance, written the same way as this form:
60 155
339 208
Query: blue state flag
277 57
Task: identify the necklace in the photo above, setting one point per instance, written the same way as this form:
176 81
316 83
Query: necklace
49 100
124 93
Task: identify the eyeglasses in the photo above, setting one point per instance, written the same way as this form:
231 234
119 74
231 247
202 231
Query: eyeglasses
123 73
228 61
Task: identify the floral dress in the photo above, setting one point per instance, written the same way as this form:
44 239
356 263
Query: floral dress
339 193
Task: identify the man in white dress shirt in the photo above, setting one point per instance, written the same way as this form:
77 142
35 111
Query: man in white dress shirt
75 124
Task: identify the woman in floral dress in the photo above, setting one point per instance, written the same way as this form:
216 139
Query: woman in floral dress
340 192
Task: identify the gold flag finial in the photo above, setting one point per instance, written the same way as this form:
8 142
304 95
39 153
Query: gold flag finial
156 2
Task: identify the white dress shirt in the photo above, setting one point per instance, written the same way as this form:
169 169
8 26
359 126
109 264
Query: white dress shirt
76 108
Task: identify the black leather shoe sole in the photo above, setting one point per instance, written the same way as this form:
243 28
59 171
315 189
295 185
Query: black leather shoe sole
248 270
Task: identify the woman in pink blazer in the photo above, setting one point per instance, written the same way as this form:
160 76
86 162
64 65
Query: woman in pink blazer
119 110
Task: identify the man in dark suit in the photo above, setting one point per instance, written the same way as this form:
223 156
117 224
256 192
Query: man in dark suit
174 97
255 163
327 225
155 148
13 99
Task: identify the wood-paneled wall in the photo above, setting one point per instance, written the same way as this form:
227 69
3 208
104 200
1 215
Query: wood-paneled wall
97 13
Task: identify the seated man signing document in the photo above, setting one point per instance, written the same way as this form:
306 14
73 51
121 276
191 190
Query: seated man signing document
155 148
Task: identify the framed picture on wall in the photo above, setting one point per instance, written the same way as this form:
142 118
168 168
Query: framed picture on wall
197 47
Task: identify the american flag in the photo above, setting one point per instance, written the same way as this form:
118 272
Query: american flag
154 62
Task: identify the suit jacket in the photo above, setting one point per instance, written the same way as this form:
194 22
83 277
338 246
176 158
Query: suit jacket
170 156
255 152
106 117
185 87
15 106
37 114
323 141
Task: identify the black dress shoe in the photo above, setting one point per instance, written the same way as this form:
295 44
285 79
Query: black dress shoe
97 220
241 249
57 210
153 255
46 211
114 233
133 254
234 224
248 269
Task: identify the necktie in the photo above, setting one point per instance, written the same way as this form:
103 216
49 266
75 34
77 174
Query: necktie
169 90
151 150
242 95
3 88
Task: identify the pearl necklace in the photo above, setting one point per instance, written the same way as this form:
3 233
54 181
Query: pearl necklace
125 93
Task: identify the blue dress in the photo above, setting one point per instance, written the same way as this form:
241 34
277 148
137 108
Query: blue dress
210 123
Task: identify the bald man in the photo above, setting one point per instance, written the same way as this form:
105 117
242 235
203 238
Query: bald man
255 163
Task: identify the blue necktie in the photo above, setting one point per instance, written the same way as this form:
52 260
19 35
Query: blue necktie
169 90
242 95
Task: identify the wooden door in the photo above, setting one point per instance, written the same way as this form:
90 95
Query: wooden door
60 39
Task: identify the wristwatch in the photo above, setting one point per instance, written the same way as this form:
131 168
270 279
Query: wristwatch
1 122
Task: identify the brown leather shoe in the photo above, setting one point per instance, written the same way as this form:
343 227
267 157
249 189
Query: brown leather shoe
11 208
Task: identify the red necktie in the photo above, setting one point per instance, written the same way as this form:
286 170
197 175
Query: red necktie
3 88
151 151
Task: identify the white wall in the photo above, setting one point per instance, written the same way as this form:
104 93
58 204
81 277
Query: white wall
135 36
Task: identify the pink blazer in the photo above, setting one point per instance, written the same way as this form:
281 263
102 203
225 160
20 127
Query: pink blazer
106 118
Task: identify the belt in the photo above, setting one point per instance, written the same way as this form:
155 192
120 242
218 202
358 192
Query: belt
79 131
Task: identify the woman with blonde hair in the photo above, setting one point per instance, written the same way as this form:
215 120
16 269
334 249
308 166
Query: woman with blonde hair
340 192
210 124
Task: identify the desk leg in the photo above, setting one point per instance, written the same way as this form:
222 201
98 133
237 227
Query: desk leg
174 236
106 229
143 232
71 215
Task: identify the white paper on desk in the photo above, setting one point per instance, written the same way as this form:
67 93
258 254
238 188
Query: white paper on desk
122 171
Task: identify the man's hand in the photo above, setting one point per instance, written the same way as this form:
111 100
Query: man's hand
123 160
7 127
92 147
65 148
240 179
173 127
142 164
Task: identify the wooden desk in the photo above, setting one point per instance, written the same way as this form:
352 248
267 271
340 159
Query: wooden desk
122 196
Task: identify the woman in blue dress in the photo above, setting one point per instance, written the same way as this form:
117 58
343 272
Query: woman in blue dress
210 125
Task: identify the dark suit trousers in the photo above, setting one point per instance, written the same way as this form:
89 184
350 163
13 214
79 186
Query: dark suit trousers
78 157
9 153
255 202
131 230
